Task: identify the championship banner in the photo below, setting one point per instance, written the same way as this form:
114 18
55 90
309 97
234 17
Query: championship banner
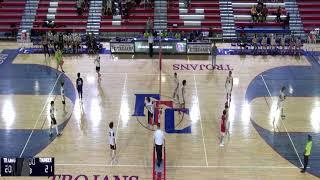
118 47
198 48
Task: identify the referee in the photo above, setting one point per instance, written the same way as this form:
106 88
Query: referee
158 141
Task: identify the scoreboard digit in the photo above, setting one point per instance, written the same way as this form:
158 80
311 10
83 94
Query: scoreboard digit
27 166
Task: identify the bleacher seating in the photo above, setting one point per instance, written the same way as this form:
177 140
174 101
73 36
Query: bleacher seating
243 20
11 12
310 14
136 21
65 17
201 14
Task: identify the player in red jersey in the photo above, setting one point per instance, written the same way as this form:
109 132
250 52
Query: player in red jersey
223 127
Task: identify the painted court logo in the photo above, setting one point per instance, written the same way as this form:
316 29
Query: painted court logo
169 112
92 177
201 67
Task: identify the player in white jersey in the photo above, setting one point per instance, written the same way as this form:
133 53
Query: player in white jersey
281 99
150 107
176 87
63 96
229 86
53 120
97 62
112 142
183 93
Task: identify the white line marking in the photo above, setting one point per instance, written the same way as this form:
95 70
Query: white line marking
294 147
44 107
147 74
119 118
204 144
203 167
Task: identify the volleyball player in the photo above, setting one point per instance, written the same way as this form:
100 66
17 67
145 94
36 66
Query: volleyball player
150 108
183 92
53 120
229 86
112 142
97 62
222 127
79 83
226 108
281 99
63 96
176 84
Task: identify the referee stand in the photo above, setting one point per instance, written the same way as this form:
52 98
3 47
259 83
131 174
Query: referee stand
159 172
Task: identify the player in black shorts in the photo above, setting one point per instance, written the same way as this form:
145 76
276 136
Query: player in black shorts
79 83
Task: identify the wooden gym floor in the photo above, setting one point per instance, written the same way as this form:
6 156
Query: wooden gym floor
83 147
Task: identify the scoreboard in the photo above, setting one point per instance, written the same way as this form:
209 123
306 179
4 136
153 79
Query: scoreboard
37 166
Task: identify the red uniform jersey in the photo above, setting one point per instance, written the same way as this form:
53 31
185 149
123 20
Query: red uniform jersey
223 124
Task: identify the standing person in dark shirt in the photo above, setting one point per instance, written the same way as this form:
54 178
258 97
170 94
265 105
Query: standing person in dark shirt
79 83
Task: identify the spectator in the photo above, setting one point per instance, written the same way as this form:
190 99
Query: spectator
146 34
278 14
286 21
177 35
79 7
255 43
264 44
264 13
170 34
253 13
148 25
259 7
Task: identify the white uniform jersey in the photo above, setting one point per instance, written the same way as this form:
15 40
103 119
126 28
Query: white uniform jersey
176 84
97 62
62 91
112 137
229 84
150 107
281 99
183 94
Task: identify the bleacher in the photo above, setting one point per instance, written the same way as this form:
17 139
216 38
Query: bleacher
200 15
136 22
11 12
243 19
63 13
310 14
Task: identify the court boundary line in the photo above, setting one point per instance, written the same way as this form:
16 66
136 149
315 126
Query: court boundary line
44 107
204 144
119 117
181 166
294 147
